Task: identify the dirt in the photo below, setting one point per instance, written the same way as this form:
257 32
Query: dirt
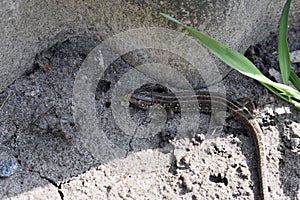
265 55
38 129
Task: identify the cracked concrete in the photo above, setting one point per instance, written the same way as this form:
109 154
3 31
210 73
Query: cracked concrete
28 27
203 164
58 186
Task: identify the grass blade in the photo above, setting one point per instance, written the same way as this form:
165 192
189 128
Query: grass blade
240 63
283 49
295 80
229 56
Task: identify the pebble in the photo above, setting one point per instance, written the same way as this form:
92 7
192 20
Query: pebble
8 165
295 56
295 129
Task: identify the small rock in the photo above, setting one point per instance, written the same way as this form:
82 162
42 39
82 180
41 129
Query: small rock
273 72
295 135
295 130
198 139
8 165
295 56
295 142
282 110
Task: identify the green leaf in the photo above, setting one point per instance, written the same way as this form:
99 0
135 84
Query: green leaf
273 90
240 63
230 57
297 105
283 49
295 80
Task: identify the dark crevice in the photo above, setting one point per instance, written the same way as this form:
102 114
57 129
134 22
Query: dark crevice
218 179
61 194
108 189
173 167
130 142
130 145
184 187
58 186
103 86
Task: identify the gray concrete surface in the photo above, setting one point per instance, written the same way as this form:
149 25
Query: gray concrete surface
38 127
27 27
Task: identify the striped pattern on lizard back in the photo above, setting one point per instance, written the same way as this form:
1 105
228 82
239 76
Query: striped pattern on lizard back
205 102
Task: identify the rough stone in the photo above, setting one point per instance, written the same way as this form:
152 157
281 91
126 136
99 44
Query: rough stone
8 165
27 27
295 56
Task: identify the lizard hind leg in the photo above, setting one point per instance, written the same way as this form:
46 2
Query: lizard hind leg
247 103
